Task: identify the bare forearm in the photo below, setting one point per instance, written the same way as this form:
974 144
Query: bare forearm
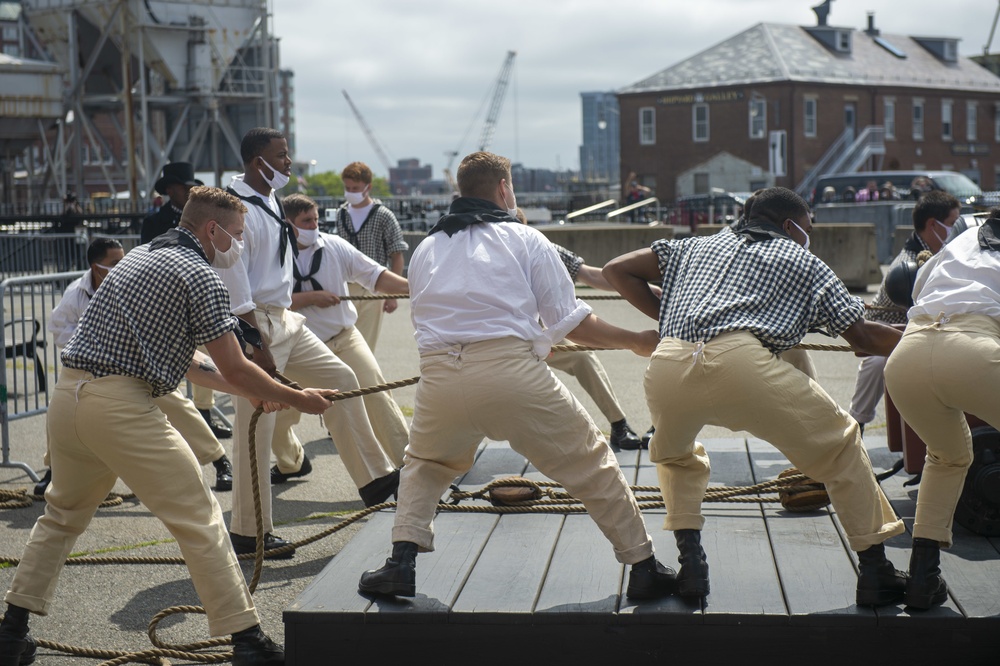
594 332
396 263
391 283
630 275
593 277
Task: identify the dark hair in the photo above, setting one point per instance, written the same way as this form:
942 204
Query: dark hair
777 204
296 204
99 249
255 141
933 205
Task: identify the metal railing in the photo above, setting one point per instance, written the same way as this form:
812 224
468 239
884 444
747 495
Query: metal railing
32 254
636 206
31 367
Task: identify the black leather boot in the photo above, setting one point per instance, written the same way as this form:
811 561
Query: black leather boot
650 580
623 437
692 580
252 647
926 587
879 583
17 647
399 575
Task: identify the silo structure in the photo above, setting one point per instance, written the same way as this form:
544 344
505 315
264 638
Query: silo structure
154 81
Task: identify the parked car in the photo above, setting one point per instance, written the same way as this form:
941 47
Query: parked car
908 185
714 208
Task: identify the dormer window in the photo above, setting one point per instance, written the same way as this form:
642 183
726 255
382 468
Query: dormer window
844 41
943 48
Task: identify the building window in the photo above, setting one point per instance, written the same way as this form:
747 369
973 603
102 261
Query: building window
699 120
809 110
918 120
758 117
889 118
647 126
971 121
946 120
778 153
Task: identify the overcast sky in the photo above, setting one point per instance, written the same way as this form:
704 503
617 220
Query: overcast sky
419 71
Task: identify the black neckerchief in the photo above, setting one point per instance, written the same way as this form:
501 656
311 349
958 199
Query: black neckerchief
757 228
286 235
313 268
178 237
989 235
466 211
914 244
348 223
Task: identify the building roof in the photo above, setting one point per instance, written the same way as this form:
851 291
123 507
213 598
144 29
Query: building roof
773 52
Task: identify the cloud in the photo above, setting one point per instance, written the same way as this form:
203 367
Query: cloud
419 72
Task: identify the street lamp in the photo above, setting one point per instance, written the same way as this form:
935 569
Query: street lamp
312 167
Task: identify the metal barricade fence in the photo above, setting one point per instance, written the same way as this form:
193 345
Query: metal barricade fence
31 367
31 254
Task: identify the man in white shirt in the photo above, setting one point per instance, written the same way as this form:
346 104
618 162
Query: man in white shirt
947 364
481 283
323 267
260 293
103 254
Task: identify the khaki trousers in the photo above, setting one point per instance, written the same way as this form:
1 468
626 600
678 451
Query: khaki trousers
301 357
941 369
868 388
370 313
734 382
801 361
387 420
104 429
501 390
587 369
186 420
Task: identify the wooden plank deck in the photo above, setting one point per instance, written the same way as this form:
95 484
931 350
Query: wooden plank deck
548 586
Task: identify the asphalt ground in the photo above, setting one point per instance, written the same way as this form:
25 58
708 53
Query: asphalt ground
110 606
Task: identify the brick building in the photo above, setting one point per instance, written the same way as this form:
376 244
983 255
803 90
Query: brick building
768 105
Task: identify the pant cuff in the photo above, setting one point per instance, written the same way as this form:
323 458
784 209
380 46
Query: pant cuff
684 521
940 534
422 536
637 553
230 624
36 605
859 542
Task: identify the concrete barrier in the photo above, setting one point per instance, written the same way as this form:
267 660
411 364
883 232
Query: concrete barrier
849 249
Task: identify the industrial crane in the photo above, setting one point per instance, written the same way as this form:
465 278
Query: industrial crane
499 91
376 146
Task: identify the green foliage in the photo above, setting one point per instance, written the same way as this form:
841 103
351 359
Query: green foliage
329 184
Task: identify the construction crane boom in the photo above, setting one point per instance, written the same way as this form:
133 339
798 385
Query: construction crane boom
376 146
499 92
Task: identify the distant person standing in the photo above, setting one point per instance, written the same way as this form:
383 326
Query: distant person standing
176 181
635 194
372 228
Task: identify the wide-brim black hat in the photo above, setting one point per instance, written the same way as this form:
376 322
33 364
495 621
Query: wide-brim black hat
176 173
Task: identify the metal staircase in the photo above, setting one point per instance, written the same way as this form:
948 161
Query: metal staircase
845 155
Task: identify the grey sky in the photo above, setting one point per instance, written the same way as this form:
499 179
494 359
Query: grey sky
419 71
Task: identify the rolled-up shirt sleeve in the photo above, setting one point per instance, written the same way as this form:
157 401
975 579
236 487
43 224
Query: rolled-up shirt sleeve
559 308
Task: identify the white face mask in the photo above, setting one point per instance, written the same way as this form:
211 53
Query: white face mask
808 239
947 230
513 210
307 237
229 257
277 181
355 198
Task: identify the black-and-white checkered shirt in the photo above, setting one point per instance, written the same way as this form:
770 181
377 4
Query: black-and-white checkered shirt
148 316
379 237
571 260
774 289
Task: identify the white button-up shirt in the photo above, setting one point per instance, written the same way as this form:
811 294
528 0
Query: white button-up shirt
962 278
491 281
258 277
341 263
66 315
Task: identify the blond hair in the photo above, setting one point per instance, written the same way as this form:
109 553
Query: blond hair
210 203
480 173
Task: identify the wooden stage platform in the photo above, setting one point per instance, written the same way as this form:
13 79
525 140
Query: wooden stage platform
547 587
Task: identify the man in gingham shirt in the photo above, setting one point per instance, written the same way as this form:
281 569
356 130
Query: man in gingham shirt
136 341
372 228
732 302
